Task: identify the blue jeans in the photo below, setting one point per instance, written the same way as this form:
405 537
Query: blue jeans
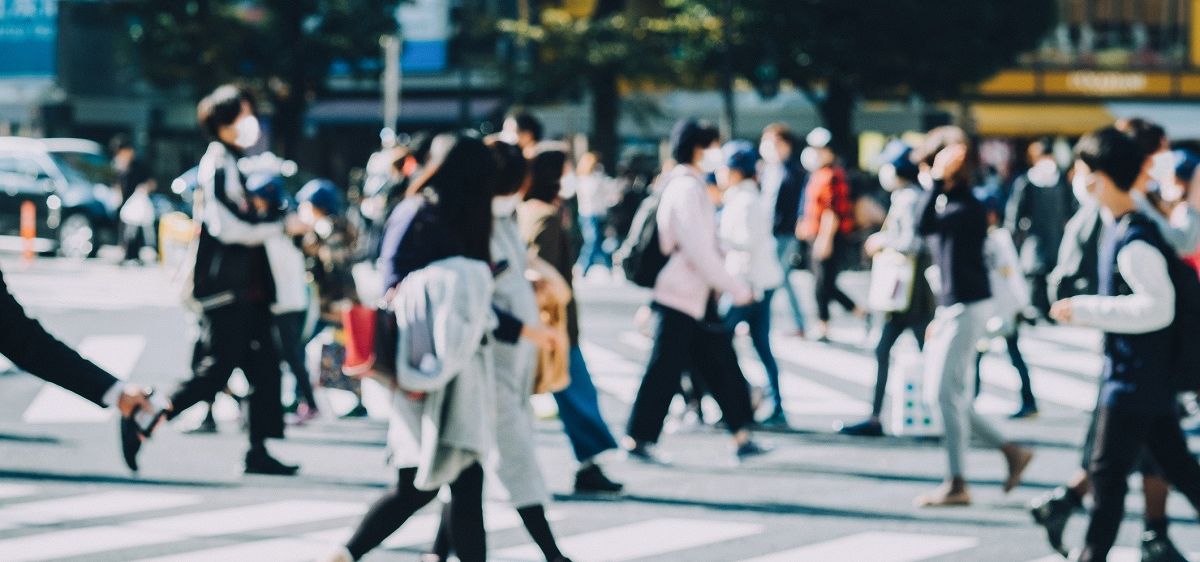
579 409
593 243
785 248
757 315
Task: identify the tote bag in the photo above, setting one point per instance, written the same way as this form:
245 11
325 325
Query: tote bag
892 276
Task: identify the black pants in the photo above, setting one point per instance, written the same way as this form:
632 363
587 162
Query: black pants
393 509
684 343
134 240
1018 363
1039 286
893 328
825 274
289 331
1120 438
231 337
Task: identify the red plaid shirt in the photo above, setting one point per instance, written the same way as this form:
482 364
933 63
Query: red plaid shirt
827 189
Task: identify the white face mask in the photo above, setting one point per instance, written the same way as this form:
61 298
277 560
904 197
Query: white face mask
888 178
925 179
504 206
1079 186
248 131
711 160
1162 168
769 152
810 158
1171 192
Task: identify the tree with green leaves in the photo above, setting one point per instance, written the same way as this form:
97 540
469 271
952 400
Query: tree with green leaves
565 55
838 52
285 48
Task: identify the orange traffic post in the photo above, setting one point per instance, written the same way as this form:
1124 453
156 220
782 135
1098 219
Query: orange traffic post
28 228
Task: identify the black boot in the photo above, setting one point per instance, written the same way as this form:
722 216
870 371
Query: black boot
592 480
1157 547
1052 511
259 461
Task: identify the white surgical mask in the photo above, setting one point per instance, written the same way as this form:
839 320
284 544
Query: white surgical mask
711 160
1079 186
1171 192
504 206
888 178
769 152
810 158
1162 168
248 131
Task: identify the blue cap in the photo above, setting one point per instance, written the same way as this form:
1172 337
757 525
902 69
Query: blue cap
322 194
742 157
899 155
1185 164
268 187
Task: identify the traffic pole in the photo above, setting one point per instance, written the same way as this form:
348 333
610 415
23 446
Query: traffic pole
28 229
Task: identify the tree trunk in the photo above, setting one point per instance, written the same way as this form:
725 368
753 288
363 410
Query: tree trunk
606 114
837 115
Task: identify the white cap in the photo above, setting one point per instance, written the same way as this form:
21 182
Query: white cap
819 137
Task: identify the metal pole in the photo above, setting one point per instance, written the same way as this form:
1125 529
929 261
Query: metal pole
391 80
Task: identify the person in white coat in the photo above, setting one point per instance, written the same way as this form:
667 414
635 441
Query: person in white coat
513 464
745 235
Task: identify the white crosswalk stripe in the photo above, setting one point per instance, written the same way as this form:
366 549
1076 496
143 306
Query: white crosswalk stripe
9 491
115 354
640 540
165 530
1118 554
89 506
883 547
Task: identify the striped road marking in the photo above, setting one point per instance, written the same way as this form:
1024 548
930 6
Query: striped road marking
878 547
640 540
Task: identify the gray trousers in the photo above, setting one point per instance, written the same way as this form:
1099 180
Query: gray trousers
950 379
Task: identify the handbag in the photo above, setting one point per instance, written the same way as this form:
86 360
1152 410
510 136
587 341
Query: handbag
372 336
553 294
330 372
892 277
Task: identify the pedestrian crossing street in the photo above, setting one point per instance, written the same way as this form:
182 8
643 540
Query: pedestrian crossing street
838 380
817 379
167 526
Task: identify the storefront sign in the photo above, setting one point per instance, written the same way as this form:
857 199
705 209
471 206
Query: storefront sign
28 33
1108 84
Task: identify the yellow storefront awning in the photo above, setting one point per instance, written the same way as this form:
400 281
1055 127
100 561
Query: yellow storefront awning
1035 119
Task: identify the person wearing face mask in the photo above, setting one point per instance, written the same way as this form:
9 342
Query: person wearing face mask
956 224
1036 213
745 233
899 177
538 217
685 298
1136 412
828 221
1154 190
232 283
783 191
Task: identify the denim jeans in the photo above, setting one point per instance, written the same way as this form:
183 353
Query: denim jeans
593 243
579 409
786 246
757 316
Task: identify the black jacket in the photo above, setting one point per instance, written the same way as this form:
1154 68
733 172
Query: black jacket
956 223
24 342
228 273
791 197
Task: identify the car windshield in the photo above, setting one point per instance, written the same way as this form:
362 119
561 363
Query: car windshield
84 167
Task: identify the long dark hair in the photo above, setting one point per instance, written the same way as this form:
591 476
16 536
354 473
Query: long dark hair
461 184
546 172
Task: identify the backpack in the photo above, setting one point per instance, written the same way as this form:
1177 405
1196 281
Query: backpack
1184 374
641 257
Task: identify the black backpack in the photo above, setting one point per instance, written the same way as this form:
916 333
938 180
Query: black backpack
1184 375
640 256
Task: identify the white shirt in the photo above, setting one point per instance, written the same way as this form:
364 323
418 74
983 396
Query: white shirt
745 234
592 192
1151 307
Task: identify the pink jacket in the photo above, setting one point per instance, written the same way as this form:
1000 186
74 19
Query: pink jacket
687 232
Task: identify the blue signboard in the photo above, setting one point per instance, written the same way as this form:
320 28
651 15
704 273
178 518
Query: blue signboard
28 33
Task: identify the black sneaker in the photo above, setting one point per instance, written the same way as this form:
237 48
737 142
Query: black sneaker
209 425
131 442
777 421
751 449
644 453
868 428
1052 511
357 412
592 480
261 462
1025 413
1157 547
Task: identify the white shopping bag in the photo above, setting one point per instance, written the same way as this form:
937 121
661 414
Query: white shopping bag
911 415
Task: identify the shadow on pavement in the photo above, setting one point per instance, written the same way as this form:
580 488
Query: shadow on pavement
110 479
